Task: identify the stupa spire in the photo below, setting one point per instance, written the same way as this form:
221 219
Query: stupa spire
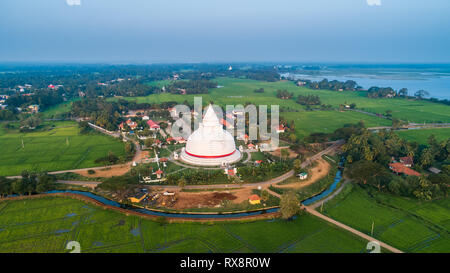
210 117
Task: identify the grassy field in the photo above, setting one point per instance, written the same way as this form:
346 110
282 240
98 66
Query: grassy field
58 148
421 136
47 224
328 121
407 224
239 91
57 110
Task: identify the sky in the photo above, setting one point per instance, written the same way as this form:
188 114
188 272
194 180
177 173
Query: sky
163 31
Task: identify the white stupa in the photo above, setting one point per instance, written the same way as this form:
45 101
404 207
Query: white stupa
210 144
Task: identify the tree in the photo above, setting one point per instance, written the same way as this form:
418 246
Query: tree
129 148
293 138
421 93
297 165
403 92
396 123
17 186
149 142
426 158
182 182
44 183
5 186
265 195
368 172
425 189
32 122
84 127
289 205
285 153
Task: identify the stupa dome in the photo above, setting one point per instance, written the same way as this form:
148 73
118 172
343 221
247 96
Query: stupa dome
210 144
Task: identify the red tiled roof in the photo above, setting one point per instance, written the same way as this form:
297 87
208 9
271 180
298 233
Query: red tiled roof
152 124
159 172
225 123
254 197
407 160
400 168
164 159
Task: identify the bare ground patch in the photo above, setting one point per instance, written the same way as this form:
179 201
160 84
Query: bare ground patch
318 172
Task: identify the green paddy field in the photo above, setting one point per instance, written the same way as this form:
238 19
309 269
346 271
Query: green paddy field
421 136
56 148
407 224
239 91
47 224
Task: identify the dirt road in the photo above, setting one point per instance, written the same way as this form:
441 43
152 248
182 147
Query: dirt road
352 230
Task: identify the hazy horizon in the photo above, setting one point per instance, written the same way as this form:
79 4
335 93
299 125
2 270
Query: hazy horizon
233 31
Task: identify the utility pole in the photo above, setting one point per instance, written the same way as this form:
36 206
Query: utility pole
371 233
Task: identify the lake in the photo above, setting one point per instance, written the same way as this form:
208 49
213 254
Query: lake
434 79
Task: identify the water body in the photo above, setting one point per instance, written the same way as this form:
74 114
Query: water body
106 201
167 214
326 192
434 79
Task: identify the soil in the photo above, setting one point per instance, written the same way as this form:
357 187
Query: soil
117 170
277 152
319 171
202 199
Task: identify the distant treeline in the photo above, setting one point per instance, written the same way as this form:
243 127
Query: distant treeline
331 85
201 86
372 92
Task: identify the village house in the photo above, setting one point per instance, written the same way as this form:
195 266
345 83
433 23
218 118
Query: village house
153 125
33 108
434 170
280 129
157 143
251 146
231 171
230 116
158 173
130 124
226 124
243 137
254 199
302 175
407 161
399 168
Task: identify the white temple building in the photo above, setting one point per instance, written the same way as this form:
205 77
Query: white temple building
210 144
